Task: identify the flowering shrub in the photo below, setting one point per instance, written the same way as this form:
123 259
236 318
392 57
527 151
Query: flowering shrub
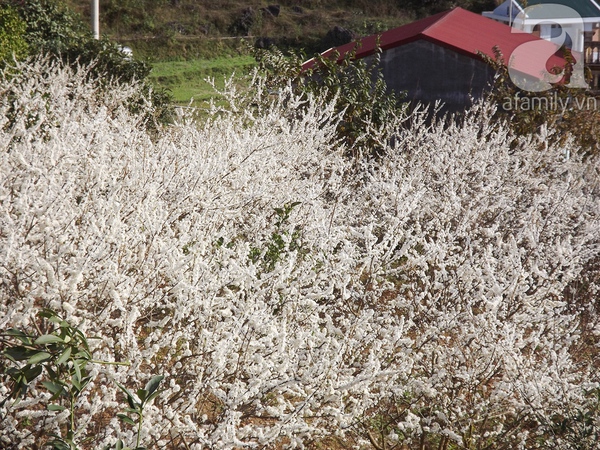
444 296
48 27
573 112
368 109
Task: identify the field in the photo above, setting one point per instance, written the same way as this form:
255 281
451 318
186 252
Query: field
187 79
208 35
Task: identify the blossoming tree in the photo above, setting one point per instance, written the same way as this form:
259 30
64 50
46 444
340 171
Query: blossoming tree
441 296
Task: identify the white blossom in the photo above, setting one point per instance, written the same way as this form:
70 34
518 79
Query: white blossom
448 286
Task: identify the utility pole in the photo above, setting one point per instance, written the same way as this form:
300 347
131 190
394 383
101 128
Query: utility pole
96 18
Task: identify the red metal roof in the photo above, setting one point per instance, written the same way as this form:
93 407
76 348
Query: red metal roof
464 32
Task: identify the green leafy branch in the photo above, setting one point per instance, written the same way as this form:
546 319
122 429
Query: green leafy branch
63 354
357 87
136 407
277 247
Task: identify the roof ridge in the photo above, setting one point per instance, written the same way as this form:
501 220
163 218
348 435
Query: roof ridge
443 16
460 30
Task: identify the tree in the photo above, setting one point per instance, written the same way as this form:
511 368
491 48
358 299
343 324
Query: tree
573 112
12 31
50 28
369 110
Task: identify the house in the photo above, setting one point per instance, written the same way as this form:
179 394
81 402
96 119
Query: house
440 57
551 18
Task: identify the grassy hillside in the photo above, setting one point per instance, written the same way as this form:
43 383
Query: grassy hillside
187 79
188 29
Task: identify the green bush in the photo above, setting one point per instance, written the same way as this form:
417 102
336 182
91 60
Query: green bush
60 358
49 27
12 31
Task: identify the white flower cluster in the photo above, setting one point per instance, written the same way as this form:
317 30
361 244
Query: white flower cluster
447 291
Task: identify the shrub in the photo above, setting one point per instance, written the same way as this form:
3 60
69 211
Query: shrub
574 112
429 298
12 31
52 29
357 88
62 355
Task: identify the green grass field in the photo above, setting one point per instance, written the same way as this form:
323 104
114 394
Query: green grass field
186 80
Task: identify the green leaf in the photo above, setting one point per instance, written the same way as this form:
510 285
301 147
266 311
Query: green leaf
152 396
56 408
55 388
64 357
39 357
128 395
76 381
131 402
59 443
55 320
18 353
20 335
48 339
77 370
13 371
31 373
85 382
46 313
142 394
126 419
52 374
154 383
82 338
83 355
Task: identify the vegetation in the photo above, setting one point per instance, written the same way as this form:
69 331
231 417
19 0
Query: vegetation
443 295
425 8
189 79
49 28
573 112
367 108
311 266
61 356
196 31
12 31
192 24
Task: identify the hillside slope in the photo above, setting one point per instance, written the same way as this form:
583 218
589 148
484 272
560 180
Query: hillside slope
163 29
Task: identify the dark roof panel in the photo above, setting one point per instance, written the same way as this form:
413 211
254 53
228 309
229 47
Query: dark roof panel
585 8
